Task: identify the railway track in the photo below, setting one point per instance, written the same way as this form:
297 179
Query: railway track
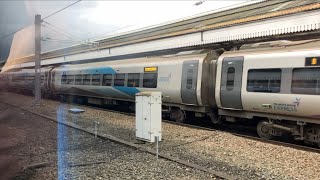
217 174
275 142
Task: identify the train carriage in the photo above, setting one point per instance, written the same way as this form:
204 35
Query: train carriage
182 79
278 85
274 83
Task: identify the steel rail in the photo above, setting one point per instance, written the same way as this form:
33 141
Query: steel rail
217 174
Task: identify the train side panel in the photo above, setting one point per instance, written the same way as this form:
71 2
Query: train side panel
275 84
275 75
169 78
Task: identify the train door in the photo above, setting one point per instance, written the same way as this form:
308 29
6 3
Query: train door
189 82
231 81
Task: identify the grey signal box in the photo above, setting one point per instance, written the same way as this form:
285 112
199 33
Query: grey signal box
148 116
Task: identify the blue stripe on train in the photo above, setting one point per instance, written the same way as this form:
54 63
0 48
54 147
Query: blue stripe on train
131 91
117 91
99 70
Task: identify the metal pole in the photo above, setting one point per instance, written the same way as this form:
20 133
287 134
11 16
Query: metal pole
37 60
157 146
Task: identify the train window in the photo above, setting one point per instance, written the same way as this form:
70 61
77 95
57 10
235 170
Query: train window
64 79
133 80
189 78
119 79
70 79
18 78
306 81
28 78
107 80
150 80
96 80
86 79
264 80
78 79
230 78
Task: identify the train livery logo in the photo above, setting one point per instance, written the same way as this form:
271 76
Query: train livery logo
297 101
288 107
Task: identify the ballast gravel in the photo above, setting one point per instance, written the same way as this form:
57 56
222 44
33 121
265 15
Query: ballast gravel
73 154
220 151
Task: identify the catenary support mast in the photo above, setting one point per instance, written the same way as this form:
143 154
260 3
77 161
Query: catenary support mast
37 60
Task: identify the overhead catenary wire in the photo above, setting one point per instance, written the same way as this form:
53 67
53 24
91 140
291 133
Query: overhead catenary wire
60 40
69 41
109 32
93 45
10 34
61 10
71 38
60 30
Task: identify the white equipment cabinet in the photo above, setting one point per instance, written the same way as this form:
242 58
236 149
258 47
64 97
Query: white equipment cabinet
148 116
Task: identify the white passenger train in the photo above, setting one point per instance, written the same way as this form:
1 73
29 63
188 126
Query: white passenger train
275 83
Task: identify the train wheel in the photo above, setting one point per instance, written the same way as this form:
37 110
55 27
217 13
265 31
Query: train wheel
263 129
216 119
178 115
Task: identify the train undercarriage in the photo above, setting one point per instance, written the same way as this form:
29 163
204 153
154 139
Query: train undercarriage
301 131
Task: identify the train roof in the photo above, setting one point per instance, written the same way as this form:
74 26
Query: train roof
172 58
276 46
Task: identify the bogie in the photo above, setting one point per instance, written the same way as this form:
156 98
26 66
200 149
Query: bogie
263 129
178 115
